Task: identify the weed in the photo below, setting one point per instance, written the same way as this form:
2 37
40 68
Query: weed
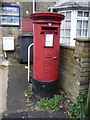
50 104
78 109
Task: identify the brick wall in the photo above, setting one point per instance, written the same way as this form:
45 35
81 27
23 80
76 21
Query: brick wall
8 31
16 31
43 6
12 32
74 67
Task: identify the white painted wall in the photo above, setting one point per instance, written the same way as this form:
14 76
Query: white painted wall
73 28
89 26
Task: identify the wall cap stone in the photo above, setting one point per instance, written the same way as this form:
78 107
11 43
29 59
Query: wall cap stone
83 39
67 46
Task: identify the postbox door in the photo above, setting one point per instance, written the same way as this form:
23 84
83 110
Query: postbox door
46 54
51 55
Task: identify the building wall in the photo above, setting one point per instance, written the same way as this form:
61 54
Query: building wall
16 31
73 1
43 6
74 68
9 31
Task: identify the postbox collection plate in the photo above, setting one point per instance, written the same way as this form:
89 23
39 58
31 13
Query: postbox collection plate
49 40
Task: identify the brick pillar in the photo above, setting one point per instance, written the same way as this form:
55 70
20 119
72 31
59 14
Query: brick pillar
82 68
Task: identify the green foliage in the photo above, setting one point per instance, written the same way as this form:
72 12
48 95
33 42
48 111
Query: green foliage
50 104
78 110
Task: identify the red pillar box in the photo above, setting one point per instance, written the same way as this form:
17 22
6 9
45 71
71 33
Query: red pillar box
46 53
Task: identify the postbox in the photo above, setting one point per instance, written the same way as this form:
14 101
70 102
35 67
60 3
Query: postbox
46 53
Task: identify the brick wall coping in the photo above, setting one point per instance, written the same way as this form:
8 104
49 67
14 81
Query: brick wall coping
87 39
67 46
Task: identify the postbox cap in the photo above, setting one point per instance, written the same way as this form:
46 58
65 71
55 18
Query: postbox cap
47 16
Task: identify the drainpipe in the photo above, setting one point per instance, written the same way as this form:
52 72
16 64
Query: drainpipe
33 6
51 10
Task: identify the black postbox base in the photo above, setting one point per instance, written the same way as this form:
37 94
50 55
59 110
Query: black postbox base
45 89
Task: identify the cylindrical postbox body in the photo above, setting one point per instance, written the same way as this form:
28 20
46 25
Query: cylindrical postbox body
46 52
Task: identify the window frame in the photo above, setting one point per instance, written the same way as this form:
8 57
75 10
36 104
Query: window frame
73 30
65 29
78 18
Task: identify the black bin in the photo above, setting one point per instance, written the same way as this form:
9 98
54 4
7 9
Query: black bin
25 41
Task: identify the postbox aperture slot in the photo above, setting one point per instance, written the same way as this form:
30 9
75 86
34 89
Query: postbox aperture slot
49 39
49 28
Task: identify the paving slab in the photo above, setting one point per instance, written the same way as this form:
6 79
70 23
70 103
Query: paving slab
3 87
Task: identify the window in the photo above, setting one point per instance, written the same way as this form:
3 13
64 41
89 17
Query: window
82 24
82 14
65 30
74 25
82 28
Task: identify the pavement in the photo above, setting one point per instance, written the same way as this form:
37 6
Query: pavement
15 101
3 85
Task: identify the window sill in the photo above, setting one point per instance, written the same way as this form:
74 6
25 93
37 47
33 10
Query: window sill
83 39
67 46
